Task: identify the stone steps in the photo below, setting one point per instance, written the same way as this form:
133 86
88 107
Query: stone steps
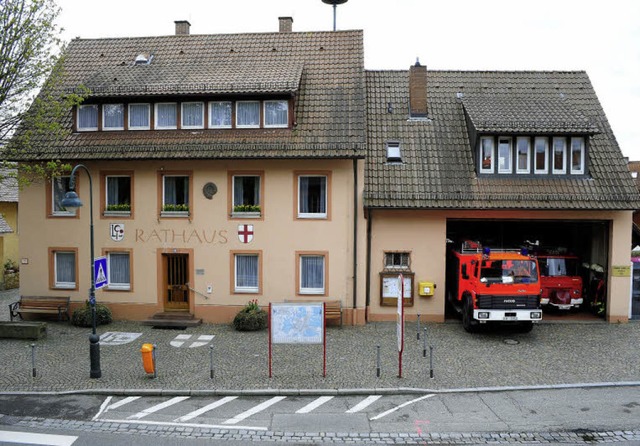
172 319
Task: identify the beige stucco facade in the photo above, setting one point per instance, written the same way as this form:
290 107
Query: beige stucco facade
209 236
423 234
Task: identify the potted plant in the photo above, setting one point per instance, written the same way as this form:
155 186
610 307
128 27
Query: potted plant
118 209
246 210
251 317
175 210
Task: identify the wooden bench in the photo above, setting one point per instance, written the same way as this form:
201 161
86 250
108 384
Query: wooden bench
40 305
333 311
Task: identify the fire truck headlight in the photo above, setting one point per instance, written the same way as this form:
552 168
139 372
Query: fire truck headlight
536 315
483 315
576 292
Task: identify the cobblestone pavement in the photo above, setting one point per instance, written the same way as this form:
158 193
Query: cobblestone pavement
245 436
553 354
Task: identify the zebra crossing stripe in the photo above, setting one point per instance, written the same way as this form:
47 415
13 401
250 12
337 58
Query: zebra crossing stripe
157 407
33 438
254 410
314 404
364 403
106 406
384 414
205 409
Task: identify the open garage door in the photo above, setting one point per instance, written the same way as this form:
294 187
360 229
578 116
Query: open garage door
586 241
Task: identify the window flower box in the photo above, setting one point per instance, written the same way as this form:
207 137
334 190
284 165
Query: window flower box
246 211
175 210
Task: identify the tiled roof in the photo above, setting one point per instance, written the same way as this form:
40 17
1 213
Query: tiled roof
4 226
323 71
526 114
438 170
8 186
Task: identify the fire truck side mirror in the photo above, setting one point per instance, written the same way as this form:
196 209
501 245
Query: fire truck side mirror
464 271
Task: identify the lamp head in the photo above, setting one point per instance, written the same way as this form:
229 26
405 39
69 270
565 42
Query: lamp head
71 200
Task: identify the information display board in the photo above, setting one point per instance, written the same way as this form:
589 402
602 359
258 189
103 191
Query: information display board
297 323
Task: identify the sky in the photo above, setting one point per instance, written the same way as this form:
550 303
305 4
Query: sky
599 37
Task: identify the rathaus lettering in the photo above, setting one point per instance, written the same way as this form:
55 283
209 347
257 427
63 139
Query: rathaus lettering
210 236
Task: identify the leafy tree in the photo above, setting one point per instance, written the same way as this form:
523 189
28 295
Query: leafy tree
31 101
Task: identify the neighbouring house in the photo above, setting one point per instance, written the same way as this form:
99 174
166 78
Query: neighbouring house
9 255
273 166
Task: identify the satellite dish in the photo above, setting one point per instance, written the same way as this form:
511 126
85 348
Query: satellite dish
335 4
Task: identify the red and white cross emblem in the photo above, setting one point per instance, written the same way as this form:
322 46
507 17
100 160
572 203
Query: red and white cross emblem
245 233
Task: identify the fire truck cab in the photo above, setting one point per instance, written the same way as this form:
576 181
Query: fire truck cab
485 285
561 281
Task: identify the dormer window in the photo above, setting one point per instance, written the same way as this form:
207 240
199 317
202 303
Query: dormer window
537 155
276 113
166 116
393 152
248 114
113 117
192 115
87 117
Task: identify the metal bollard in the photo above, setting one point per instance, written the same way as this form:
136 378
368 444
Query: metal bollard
211 361
424 343
378 361
155 362
33 360
431 362
418 332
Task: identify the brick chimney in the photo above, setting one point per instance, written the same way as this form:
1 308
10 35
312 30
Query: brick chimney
182 27
418 91
286 24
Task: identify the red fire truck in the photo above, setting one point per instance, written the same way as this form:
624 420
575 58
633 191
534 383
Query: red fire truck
561 281
485 285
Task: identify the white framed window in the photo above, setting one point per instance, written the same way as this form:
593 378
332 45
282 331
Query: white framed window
276 113
118 193
246 190
487 154
119 270
577 156
166 115
394 155
59 187
559 157
175 193
523 154
246 273
311 273
87 117
64 269
397 261
112 117
248 114
139 116
504 155
220 115
192 115
541 156
312 196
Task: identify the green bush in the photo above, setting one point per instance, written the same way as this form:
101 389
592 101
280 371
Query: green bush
251 318
246 208
81 316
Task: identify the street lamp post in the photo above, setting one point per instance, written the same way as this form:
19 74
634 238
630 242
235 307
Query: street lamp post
71 200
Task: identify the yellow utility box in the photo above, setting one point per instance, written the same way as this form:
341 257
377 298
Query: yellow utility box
426 288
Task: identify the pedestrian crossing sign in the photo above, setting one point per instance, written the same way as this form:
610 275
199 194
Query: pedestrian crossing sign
100 273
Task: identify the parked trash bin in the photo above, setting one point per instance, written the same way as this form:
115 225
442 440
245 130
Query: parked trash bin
148 361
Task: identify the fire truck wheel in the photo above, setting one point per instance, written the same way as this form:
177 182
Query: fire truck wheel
468 322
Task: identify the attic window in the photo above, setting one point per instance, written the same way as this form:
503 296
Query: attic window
393 152
142 59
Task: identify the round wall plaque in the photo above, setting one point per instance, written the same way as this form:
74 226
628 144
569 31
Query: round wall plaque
209 190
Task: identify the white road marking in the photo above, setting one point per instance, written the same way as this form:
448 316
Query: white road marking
32 438
173 423
384 414
364 403
106 406
254 410
205 409
157 407
314 404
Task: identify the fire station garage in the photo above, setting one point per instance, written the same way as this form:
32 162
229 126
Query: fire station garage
570 254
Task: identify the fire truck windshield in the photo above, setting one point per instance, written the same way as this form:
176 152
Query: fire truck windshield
508 271
558 266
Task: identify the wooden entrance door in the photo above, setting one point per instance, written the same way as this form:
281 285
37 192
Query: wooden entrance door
176 269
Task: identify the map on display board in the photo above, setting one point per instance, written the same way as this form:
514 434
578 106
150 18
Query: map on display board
297 323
